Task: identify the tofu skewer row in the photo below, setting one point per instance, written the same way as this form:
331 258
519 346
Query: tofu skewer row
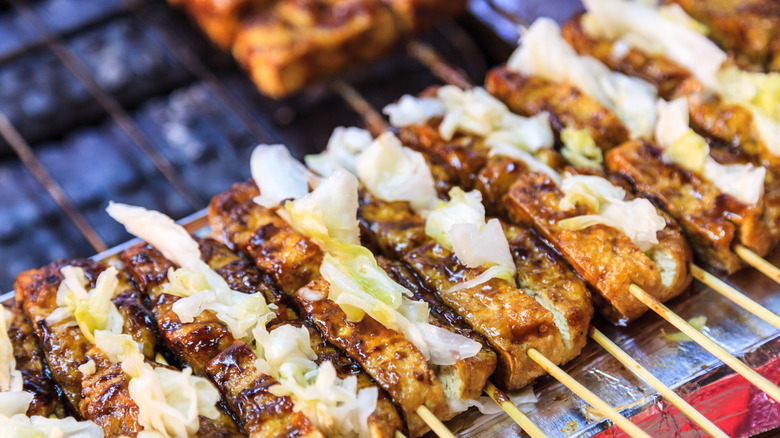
506 81
270 395
460 155
395 339
99 340
403 232
521 95
736 110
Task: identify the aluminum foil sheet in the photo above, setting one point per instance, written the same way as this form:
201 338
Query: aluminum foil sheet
734 405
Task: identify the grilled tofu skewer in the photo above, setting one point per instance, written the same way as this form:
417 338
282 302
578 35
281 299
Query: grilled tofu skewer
740 129
294 260
74 304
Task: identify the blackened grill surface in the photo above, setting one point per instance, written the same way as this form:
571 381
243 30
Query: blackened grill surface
136 51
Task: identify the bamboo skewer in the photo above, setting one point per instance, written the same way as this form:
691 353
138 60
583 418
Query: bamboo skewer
708 344
520 418
434 423
758 262
656 384
735 296
583 392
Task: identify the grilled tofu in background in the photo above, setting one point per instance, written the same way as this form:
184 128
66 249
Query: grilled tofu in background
47 398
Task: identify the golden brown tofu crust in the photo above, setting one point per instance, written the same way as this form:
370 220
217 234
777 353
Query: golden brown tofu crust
386 355
64 346
605 257
246 392
258 233
748 29
221 19
47 400
663 73
567 106
511 321
299 41
712 220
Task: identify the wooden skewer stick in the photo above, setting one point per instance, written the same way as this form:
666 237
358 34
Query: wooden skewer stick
708 344
399 435
583 392
735 296
428 57
656 384
506 404
374 121
434 423
758 262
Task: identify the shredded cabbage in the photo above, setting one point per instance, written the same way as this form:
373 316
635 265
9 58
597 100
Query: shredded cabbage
580 149
92 310
543 52
199 286
169 401
685 147
343 147
525 400
334 405
21 426
637 219
411 110
655 30
278 175
395 173
760 94
459 225
329 211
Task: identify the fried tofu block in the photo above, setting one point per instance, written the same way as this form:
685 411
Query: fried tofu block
47 401
64 345
221 19
415 16
712 220
299 41
386 355
106 400
509 319
749 29
246 391
567 106
665 74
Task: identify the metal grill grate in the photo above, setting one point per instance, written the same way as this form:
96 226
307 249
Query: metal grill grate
126 101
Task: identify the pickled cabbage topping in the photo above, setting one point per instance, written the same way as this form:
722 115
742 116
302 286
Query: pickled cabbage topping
580 149
91 310
393 172
524 399
637 219
411 110
344 145
169 401
329 211
688 149
544 53
665 31
760 94
10 377
335 405
199 286
474 111
459 225
278 175
22 426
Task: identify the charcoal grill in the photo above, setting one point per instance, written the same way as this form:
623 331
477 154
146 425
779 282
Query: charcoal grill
125 100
